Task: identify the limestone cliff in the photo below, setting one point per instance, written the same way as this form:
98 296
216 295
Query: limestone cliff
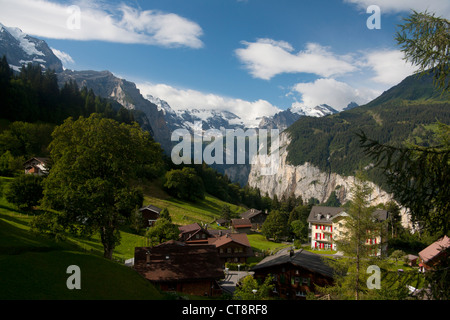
308 181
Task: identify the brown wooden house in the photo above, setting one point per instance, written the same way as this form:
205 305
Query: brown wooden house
434 253
149 215
232 247
295 273
256 217
241 225
37 166
194 234
175 266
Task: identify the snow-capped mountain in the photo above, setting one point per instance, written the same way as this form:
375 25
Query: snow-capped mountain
197 119
21 49
317 111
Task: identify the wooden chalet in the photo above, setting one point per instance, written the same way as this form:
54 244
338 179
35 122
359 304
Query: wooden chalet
175 266
232 247
194 234
150 214
434 253
295 273
241 225
256 217
38 166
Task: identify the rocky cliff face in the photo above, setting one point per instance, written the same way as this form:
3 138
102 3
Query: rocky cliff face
106 85
308 181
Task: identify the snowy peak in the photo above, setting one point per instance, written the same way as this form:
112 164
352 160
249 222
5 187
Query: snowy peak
317 111
21 49
161 104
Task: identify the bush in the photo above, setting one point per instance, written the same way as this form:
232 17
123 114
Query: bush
25 191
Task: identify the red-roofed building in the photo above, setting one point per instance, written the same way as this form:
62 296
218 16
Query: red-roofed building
431 255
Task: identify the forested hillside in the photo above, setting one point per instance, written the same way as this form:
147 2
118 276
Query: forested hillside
405 113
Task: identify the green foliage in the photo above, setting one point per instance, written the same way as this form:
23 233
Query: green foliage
185 184
352 242
163 230
419 178
34 95
276 225
245 290
25 191
10 165
425 40
164 214
331 143
332 201
26 140
95 163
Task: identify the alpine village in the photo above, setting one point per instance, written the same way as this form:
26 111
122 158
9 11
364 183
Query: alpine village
92 205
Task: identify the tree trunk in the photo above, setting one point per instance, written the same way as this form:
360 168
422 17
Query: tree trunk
108 241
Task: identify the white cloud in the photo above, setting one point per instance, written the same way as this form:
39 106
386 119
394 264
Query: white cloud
122 23
180 99
439 7
389 66
65 58
267 58
333 93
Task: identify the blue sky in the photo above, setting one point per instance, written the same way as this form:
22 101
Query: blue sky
251 57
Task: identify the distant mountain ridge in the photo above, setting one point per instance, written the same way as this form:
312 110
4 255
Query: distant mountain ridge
21 49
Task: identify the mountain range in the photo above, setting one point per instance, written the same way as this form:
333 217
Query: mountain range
21 48
394 115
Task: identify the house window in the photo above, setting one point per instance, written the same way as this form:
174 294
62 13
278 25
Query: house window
228 250
221 250
306 281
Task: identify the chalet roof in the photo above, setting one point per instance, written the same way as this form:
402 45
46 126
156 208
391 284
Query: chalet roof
322 214
241 223
319 214
218 233
304 259
38 159
434 249
250 213
177 261
189 228
240 238
151 208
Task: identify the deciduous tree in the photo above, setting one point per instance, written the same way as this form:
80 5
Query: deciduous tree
96 162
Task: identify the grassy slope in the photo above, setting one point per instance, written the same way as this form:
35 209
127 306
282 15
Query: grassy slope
34 266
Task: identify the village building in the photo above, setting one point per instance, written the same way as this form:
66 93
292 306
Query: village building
37 166
241 225
430 257
295 274
194 234
256 217
175 266
150 214
327 224
232 247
